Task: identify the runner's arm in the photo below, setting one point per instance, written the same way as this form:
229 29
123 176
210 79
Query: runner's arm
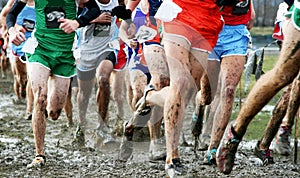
252 16
92 13
13 13
69 26
16 36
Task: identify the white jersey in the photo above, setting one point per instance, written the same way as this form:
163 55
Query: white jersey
97 36
98 40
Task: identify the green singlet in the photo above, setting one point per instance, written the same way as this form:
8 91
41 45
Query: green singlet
54 50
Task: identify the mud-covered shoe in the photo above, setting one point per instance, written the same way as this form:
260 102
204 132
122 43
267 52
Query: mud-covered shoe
175 168
157 150
126 149
79 137
227 149
103 136
138 120
141 106
266 156
283 141
38 162
210 157
126 146
118 126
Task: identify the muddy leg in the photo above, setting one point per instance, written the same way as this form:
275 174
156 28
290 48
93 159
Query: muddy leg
38 76
103 92
30 99
157 65
68 107
83 97
230 74
182 88
293 103
57 95
118 93
276 119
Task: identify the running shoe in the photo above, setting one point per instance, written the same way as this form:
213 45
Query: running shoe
175 168
266 156
103 136
79 137
126 149
210 157
141 105
118 126
157 150
227 149
39 161
126 146
283 141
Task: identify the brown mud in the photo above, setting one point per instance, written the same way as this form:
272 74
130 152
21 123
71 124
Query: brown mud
64 159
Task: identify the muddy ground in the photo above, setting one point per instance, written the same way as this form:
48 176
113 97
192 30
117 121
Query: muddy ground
64 159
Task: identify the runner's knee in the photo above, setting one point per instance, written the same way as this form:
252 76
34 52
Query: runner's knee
54 114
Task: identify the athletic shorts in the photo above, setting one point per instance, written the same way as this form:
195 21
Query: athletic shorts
233 40
86 68
60 63
201 31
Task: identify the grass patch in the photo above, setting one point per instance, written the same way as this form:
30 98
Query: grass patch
261 31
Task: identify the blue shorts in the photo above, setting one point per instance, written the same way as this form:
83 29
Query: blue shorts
232 41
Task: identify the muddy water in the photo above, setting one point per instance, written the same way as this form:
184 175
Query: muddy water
66 160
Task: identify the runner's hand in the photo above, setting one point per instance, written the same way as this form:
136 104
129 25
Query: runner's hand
131 31
16 36
103 18
68 26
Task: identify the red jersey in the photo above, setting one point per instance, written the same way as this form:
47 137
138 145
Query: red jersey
231 19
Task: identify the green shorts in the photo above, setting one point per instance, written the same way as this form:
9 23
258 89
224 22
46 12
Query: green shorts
60 63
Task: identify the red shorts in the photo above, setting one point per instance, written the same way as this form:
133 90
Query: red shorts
122 58
199 22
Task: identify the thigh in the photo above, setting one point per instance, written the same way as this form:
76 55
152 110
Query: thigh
156 59
58 91
177 52
288 62
38 76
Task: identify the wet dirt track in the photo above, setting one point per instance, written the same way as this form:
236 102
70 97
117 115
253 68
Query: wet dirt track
66 160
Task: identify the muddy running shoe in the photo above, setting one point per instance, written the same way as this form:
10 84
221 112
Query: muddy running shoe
38 162
266 156
118 126
79 137
103 136
141 105
210 157
283 141
227 149
126 149
157 150
175 168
